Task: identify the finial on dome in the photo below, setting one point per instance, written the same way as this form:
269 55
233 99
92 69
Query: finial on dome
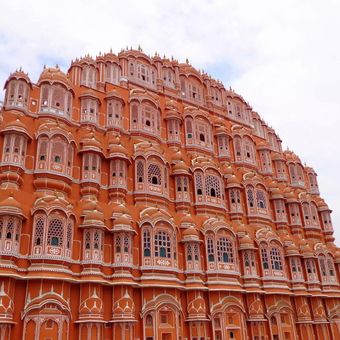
111 50
187 60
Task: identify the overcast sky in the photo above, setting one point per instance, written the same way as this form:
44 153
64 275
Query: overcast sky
282 56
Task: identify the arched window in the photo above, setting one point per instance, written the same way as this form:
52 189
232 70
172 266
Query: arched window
249 262
168 77
55 154
114 113
275 258
17 93
39 231
140 172
147 243
162 244
311 270
154 174
264 256
55 232
225 250
14 150
192 256
123 249
88 77
119 173
91 167
261 199
89 110
212 186
199 184
223 146
182 188
55 99
248 148
250 197
145 117
93 245
210 250
272 260
235 200
112 73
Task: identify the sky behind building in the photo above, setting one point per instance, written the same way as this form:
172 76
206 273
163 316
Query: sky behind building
282 56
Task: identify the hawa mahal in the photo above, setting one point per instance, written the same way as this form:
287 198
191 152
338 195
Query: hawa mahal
140 199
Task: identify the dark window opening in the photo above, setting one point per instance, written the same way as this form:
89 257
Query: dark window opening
54 241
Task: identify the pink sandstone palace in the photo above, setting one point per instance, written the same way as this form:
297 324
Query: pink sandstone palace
140 199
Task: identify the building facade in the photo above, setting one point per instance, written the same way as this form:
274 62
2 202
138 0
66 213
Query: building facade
140 199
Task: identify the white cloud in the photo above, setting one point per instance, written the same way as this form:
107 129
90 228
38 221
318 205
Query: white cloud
283 56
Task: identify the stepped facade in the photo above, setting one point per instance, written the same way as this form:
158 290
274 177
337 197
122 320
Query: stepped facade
140 199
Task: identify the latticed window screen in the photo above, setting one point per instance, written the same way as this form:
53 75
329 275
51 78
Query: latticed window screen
10 228
250 197
225 250
249 259
323 266
199 183
126 247
330 267
39 231
1 227
55 232
212 186
154 174
275 259
147 243
189 252
140 172
292 172
310 266
162 244
88 240
261 199
264 256
196 252
210 249
69 236
96 240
